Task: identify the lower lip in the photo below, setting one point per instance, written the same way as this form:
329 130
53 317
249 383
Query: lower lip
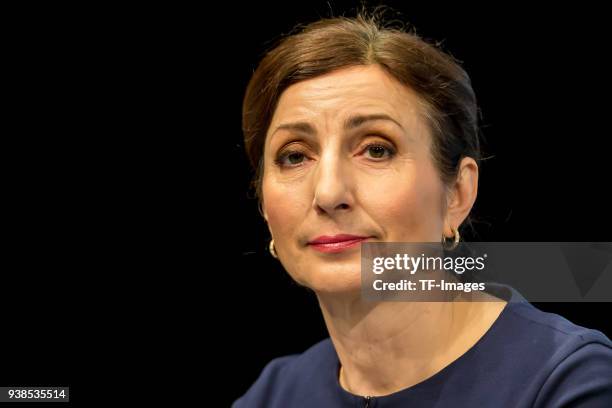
334 247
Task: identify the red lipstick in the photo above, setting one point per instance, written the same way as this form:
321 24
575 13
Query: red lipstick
335 243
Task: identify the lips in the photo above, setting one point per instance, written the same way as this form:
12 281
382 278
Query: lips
336 243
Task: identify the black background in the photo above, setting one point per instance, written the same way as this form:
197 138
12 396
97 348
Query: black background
134 252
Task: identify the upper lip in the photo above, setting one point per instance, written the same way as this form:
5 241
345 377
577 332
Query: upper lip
328 239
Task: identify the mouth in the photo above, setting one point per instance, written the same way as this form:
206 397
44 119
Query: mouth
336 243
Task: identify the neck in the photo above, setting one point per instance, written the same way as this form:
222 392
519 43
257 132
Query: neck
384 347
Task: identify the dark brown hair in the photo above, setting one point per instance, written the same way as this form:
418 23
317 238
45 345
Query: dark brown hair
333 43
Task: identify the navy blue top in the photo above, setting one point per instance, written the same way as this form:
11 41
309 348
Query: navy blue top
527 358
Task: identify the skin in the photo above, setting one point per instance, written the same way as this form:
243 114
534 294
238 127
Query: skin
334 183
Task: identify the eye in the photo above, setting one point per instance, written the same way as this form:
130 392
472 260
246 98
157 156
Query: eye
377 151
290 158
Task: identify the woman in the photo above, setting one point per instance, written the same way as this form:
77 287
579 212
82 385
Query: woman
361 133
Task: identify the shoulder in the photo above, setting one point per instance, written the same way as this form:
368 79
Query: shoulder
560 362
584 375
552 330
284 378
523 325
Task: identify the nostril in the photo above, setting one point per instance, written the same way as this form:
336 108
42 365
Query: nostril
331 208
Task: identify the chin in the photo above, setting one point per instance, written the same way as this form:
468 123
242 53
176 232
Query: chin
333 279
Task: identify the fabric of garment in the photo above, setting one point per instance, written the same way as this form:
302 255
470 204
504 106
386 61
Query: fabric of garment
527 358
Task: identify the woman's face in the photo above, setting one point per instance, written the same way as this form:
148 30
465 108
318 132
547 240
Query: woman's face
348 153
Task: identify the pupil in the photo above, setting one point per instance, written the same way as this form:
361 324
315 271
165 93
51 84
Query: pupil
377 151
294 158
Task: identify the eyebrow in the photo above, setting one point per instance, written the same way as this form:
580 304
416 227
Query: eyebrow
352 122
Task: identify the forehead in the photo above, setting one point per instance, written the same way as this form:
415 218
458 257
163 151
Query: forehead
333 96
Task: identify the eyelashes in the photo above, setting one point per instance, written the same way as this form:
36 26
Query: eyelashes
377 152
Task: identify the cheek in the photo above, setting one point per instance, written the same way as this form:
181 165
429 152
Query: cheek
409 206
284 207
287 208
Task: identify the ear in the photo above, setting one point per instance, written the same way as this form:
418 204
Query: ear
262 211
462 195
264 214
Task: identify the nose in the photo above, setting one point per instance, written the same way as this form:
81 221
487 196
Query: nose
332 191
